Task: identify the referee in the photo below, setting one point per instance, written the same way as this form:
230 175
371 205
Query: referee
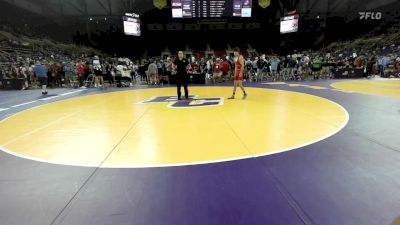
182 66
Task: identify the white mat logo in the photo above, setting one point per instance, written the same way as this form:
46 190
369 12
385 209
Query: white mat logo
192 102
370 15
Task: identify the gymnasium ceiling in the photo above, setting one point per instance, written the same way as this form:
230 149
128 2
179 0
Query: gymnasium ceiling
59 9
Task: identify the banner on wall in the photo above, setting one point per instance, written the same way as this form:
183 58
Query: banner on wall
159 4
264 3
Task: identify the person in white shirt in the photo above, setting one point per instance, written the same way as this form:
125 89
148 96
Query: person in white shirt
306 64
152 73
23 73
31 74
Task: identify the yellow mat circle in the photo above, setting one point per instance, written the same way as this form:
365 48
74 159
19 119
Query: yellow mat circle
136 129
389 88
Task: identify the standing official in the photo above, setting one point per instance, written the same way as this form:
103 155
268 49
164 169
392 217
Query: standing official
182 66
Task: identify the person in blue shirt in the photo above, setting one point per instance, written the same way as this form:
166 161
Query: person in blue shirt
68 70
383 62
41 74
274 67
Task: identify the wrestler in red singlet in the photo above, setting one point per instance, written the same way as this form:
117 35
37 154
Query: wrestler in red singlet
238 74
238 67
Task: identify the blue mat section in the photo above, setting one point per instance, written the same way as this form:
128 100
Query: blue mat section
238 192
342 180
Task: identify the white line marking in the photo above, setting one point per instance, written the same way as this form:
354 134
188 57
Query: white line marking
275 83
341 90
44 99
48 98
70 93
26 103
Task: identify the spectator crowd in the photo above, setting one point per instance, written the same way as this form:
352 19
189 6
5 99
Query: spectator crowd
90 70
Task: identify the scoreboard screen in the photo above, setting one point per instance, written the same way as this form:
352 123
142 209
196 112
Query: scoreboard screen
211 8
131 24
289 24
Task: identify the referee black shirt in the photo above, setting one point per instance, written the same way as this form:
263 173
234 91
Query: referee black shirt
181 66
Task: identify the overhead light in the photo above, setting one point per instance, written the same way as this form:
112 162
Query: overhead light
90 19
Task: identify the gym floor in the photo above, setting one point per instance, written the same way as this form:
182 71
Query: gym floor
316 152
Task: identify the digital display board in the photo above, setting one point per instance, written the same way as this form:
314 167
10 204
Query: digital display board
211 8
132 24
289 24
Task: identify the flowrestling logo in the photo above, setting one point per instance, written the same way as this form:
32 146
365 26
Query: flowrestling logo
192 102
370 15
